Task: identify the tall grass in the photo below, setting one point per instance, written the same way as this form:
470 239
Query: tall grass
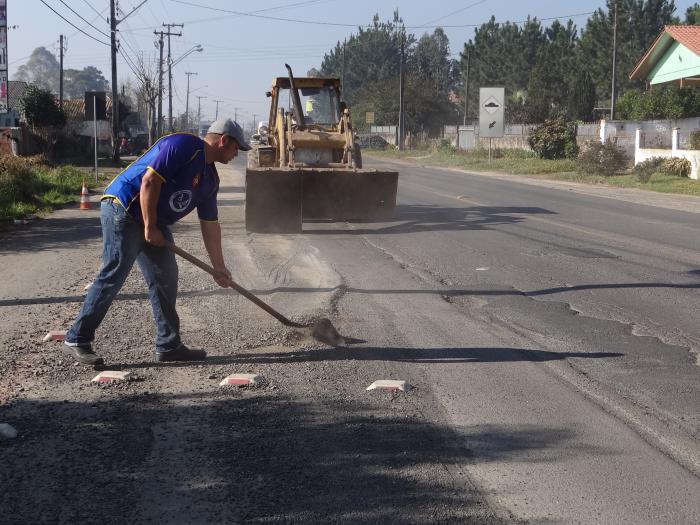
27 185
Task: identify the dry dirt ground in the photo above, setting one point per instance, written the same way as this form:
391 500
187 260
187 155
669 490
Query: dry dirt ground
308 446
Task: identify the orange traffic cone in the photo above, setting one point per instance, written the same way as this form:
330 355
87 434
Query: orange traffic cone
85 199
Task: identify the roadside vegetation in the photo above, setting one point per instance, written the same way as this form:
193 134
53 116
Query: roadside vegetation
28 185
502 160
595 163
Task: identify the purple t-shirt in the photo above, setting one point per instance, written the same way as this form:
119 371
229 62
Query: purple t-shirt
188 181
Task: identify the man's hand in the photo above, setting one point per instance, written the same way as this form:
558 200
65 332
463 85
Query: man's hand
222 277
154 236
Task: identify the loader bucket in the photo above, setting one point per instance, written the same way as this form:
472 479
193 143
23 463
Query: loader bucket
348 195
273 200
278 199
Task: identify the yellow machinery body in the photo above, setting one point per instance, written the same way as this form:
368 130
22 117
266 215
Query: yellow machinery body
308 165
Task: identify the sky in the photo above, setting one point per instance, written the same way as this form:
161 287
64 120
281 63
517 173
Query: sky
243 51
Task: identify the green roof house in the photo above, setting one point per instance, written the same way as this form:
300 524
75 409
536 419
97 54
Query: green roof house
673 59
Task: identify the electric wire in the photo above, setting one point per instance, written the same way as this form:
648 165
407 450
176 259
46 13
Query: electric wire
339 24
79 16
95 10
72 24
454 12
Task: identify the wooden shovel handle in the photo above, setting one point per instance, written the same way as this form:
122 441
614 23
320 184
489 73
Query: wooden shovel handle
233 284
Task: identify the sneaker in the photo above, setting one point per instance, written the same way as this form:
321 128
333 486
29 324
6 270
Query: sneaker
181 353
84 354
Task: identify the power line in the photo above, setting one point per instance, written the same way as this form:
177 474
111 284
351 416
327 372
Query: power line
130 64
78 15
573 15
95 10
254 15
338 24
454 12
72 24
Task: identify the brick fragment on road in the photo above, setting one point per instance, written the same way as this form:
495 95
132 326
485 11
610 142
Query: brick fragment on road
242 380
7 431
390 384
111 375
55 335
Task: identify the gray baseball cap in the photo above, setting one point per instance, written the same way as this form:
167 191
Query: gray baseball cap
232 129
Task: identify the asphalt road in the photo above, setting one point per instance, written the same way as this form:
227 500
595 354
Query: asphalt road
549 331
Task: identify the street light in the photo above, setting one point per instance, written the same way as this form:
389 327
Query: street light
198 48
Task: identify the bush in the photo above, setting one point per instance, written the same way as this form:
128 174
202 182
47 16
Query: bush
554 139
664 103
18 179
446 145
28 184
601 159
644 170
667 167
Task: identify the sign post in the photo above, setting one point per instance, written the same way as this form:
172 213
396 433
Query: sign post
94 120
491 113
3 58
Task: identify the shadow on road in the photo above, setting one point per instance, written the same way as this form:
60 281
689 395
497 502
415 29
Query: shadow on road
53 233
369 291
419 218
370 353
257 457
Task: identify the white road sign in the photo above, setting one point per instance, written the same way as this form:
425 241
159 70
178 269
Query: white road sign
491 109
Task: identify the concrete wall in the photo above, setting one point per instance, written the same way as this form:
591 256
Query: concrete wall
693 156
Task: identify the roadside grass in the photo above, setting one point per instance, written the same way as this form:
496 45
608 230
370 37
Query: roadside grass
506 161
520 162
29 186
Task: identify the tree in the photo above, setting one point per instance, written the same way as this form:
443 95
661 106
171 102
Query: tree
41 109
370 57
639 22
581 99
146 93
502 55
44 116
42 69
77 82
692 14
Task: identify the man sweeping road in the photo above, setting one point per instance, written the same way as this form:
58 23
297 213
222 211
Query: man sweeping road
170 180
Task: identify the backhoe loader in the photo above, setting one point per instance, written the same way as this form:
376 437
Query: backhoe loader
308 166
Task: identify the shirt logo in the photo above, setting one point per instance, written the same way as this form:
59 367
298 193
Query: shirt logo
180 200
196 180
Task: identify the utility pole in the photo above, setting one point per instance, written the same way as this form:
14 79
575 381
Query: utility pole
217 109
115 94
466 88
614 60
187 101
255 118
235 114
199 112
170 74
342 75
401 93
159 127
113 23
60 78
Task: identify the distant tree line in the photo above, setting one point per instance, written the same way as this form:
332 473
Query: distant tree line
547 71
43 70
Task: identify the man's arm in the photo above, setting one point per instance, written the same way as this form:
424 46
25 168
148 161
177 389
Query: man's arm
148 197
211 233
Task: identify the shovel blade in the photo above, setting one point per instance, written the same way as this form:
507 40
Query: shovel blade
324 332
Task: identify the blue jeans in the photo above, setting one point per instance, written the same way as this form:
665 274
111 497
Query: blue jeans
123 243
